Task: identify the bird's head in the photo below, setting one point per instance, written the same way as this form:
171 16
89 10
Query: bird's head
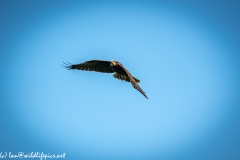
114 63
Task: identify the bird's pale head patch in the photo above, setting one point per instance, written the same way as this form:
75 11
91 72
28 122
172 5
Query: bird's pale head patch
114 63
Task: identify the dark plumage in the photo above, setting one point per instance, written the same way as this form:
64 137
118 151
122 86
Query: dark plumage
107 67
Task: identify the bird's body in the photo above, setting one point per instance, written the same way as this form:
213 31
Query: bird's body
108 67
119 70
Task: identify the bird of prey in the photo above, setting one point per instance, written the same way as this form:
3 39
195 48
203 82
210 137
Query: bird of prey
107 67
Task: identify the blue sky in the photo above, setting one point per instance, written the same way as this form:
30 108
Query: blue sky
185 54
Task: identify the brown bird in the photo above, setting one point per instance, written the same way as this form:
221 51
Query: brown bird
107 67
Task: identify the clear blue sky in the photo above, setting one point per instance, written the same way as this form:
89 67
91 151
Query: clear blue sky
184 53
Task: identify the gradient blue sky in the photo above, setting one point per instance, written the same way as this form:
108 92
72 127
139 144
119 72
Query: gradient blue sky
185 53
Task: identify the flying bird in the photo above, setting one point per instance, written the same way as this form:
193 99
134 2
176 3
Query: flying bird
107 67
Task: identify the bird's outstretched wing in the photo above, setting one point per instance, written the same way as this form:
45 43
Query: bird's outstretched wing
124 77
93 65
132 80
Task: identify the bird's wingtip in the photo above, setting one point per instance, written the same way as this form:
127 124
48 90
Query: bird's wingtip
66 65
